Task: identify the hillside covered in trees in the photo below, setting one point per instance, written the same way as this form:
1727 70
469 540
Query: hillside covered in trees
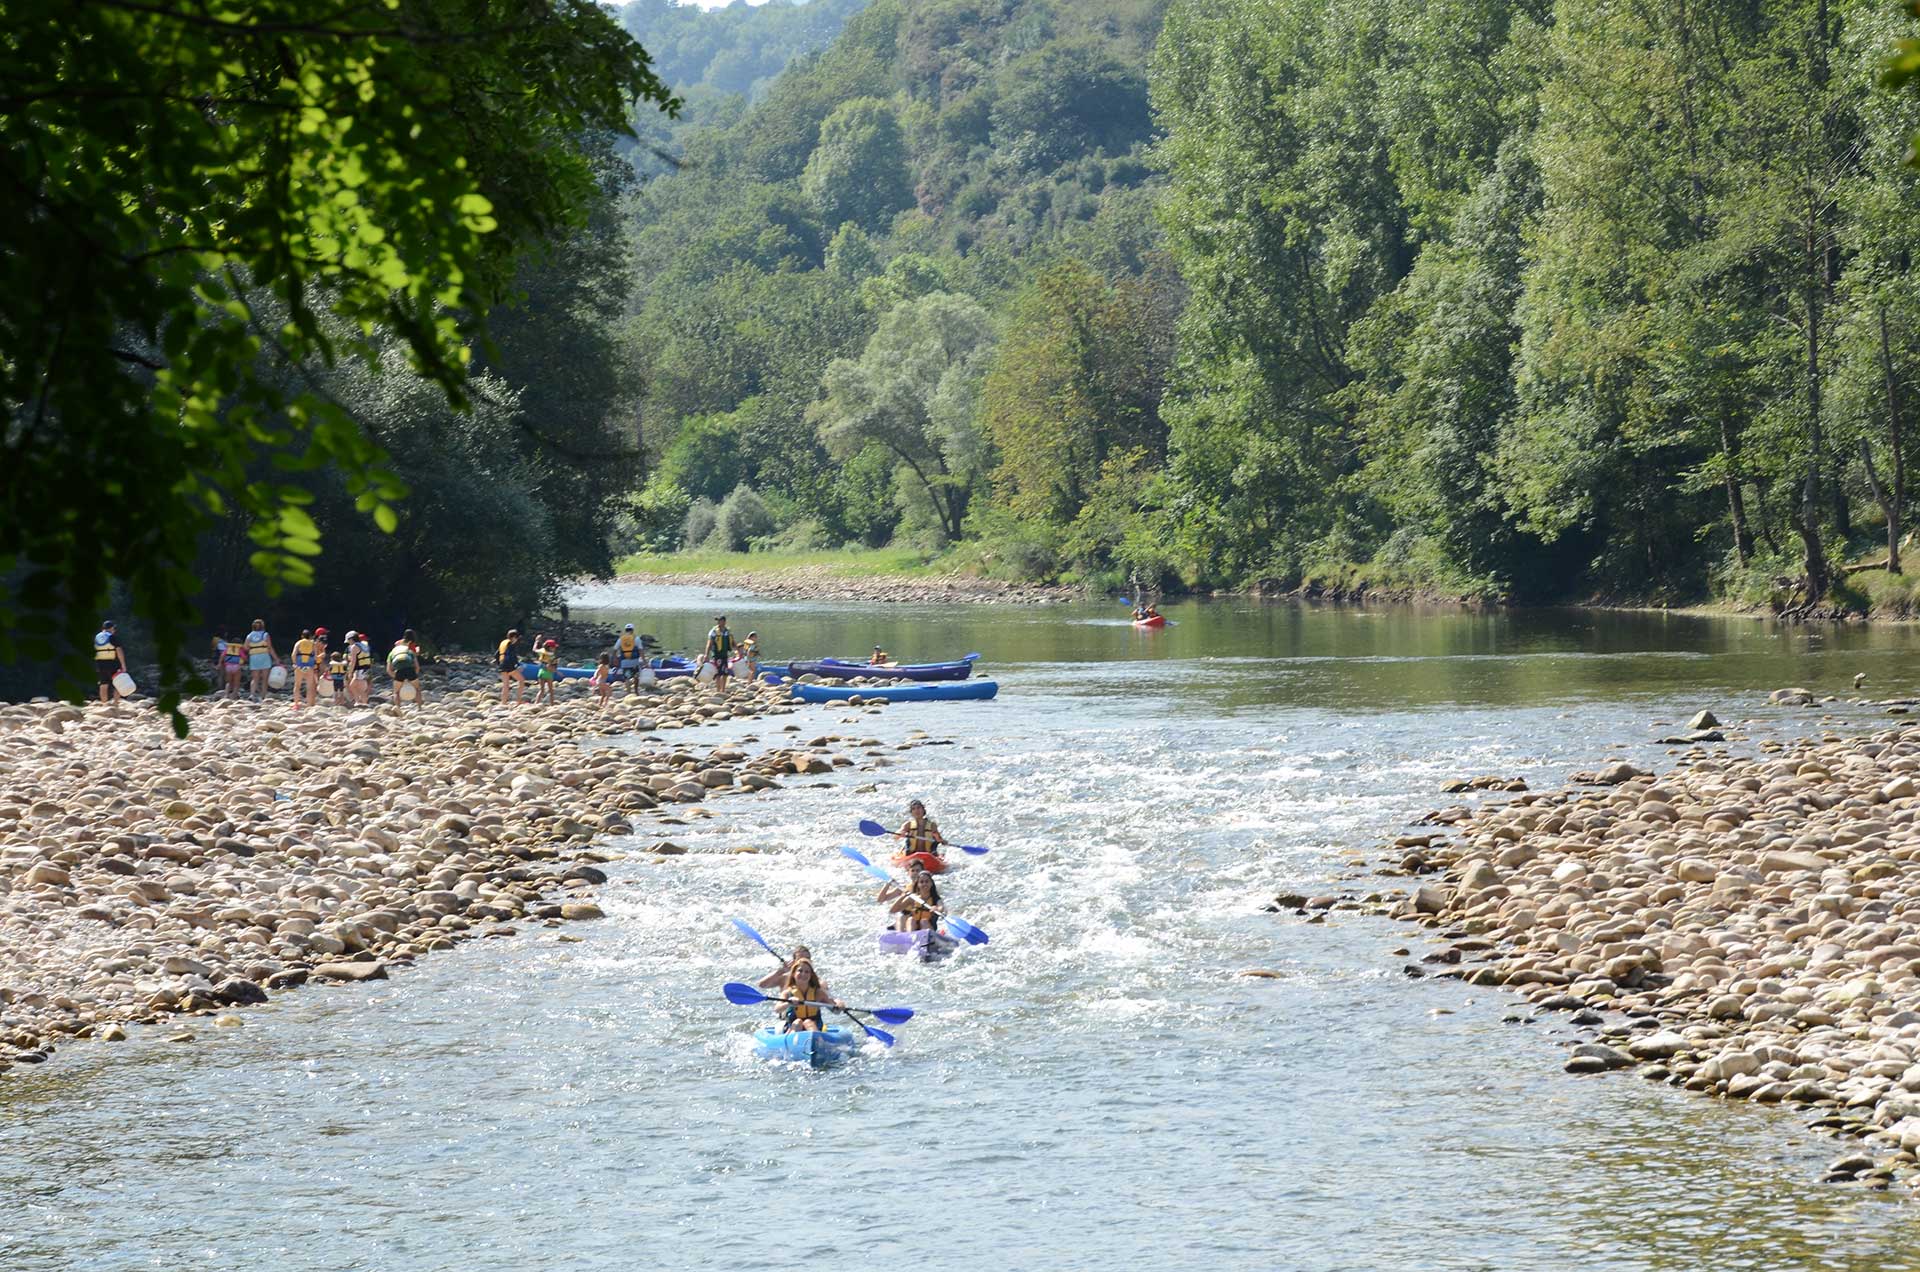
1542 300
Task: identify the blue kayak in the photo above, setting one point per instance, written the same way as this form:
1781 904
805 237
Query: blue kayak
847 669
957 691
821 1048
929 945
532 672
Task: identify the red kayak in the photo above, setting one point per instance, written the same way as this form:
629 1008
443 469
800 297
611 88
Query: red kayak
1158 620
926 860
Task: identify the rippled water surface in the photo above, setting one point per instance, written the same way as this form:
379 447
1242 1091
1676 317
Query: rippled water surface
1099 1084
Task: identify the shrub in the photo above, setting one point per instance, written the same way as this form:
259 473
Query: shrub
698 527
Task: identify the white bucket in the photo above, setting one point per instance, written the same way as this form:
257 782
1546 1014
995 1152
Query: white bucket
407 692
325 686
647 676
707 672
277 678
124 683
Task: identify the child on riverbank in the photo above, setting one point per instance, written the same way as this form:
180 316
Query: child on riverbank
549 672
603 680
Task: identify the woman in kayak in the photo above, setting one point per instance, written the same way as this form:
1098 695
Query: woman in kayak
881 658
801 990
921 833
916 903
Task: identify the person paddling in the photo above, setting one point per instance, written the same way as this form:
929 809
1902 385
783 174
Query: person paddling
109 660
916 902
801 992
719 651
920 833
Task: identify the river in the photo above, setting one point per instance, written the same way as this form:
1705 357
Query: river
1100 1084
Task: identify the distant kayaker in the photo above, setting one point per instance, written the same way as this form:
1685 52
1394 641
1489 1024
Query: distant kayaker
507 658
719 651
920 832
549 672
801 992
916 902
881 658
109 660
628 654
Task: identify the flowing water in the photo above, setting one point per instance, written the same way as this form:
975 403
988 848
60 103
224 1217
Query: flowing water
1098 1084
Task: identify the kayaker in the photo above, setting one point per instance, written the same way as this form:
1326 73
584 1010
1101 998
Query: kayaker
109 660
359 659
917 902
881 658
305 661
719 651
403 668
628 654
921 833
261 657
779 974
801 991
508 658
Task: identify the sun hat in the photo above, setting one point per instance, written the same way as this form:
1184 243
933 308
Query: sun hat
629 626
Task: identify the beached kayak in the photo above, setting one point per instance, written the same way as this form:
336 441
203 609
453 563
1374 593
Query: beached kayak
532 672
1158 620
838 669
817 1047
925 860
929 945
974 690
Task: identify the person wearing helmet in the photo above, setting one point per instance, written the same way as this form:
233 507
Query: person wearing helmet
719 651
549 655
109 660
628 654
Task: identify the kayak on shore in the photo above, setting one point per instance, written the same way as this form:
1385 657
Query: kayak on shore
846 669
970 690
819 1048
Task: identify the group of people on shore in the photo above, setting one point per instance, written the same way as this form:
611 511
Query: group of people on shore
340 673
628 662
914 903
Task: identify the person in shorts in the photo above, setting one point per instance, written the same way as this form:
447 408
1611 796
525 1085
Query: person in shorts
403 668
109 660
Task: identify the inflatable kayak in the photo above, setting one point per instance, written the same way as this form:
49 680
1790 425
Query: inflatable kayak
969 690
532 672
925 860
820 1048
931 946
1158 620
838 669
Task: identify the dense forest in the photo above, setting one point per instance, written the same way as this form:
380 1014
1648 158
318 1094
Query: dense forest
1533 300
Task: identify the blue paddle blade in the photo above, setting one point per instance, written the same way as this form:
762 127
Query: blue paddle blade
973 850
871 828
966 931
756 938
880 1036
893 1015
742 995
879 874
971 658
855 854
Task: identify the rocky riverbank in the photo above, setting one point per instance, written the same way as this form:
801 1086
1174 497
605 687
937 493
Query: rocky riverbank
1744 928
144 876
824 583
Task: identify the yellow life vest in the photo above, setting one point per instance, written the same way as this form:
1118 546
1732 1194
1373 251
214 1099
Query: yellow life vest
303 653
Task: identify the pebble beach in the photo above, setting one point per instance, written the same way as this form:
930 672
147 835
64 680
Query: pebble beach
145 877
1746 928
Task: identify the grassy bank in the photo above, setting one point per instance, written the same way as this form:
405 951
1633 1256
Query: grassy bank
853 563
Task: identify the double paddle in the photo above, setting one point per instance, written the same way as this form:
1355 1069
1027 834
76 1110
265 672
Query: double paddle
872 829
744 995
880 1036
957 926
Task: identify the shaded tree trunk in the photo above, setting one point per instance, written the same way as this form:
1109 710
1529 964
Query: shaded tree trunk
1736 504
